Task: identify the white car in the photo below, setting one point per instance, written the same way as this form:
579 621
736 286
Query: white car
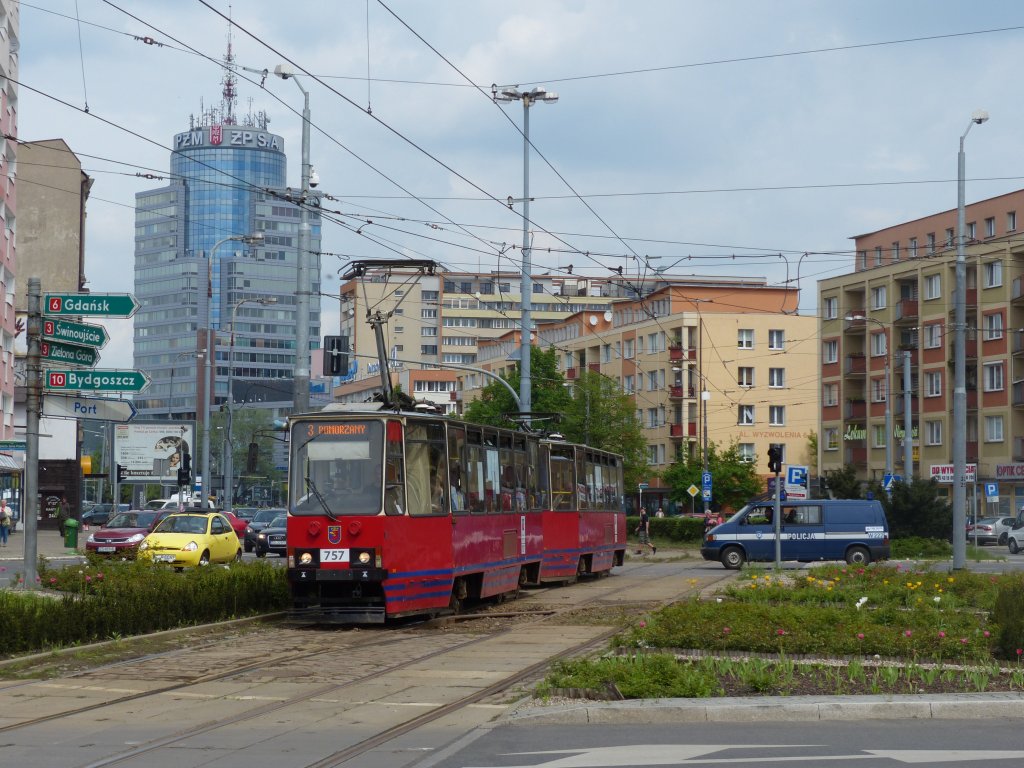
1015 540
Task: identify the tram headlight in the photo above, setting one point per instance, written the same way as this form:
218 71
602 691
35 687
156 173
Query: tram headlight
364 557
306 558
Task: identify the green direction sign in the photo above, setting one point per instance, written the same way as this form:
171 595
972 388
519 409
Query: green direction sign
68 353
95 304
100 380
75 333
12 445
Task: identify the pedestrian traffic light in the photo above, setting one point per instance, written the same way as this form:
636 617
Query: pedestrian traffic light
252 458
183 476
186 463
122 473
335 355
775 458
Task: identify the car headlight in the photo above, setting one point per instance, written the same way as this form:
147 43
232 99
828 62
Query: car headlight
364 558
134 539
144 545
306 558
91 539
190 547
261 536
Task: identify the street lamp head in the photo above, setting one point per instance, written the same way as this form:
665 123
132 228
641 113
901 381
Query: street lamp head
284 71
551 98
979 116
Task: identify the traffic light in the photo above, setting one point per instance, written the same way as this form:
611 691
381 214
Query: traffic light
335 355
122 473
186 463
775 458
252 458
183 476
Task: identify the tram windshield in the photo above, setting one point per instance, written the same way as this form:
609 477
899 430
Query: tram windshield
337 468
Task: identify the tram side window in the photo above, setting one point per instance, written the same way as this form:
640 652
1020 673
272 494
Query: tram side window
533 468
426 469
563 479
394 474
581 480
456 453
520 504
508 474
474 479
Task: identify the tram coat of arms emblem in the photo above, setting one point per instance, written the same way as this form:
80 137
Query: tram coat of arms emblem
334 534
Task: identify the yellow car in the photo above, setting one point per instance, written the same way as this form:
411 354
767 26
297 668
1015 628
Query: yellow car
190 539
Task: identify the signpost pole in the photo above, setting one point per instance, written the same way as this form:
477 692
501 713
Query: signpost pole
777 522
33 407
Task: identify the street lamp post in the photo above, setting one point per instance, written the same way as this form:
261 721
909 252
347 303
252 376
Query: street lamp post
210 353
170 392
886 334
528 98
960 361
229 458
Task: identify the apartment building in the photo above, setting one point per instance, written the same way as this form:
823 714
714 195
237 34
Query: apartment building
898 305
739 341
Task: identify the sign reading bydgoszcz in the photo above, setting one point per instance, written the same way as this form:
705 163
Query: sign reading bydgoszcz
152 451
95 304
75 333
98 380
944 473
68 353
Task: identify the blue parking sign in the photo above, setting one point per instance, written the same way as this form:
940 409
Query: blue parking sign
992 491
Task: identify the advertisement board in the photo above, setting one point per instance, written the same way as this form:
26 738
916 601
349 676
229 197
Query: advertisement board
151 451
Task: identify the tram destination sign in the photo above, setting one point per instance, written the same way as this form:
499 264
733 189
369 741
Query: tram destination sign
83 334
99 380
94 304
69 353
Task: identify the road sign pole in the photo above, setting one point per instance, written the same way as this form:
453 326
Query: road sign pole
33 405
778 522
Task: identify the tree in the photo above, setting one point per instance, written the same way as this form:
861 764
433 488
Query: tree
601 416
916 509
842 483
735 481
549 396
812 452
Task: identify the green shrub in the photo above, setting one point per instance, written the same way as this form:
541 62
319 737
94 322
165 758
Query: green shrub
918 548
1008 615
680 529
656 675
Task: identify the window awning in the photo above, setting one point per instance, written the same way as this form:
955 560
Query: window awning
9 464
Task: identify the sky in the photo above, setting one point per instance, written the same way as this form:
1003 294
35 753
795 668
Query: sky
705 137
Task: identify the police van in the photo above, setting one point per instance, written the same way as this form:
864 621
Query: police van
815 529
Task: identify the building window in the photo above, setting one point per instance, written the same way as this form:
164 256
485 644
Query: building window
428 330
831 439
746 415
606 353
933 433
990 227
428 314
776 378
830 394
930 242
399 329
627 351
878 255
912 248
993 377
428 296
831 308
933 335
628 385
949 237
830 351
993 326
933 384
993 429
745 376
994 274
932 287
747 452
972 231
878 392
746 338
776 339
1011 221
878 436
896 251
862 259
878 345
777 415
428 349
487 287
538 287
878 297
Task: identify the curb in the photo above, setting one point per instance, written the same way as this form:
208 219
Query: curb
766 709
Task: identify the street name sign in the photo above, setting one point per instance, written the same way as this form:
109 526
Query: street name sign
69 407
68 353
99 380
12 445
75 333
92 304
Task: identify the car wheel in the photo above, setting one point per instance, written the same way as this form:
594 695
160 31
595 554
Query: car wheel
260 553
733 558
858 556
1002 538
1014 549
204 559
248 547
238 555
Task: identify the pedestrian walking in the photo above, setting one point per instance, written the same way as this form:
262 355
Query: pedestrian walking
5 522
62 514
660 512
643 532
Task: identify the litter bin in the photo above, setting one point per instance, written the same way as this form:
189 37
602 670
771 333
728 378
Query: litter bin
71 534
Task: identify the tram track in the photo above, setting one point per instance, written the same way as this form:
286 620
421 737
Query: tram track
376 641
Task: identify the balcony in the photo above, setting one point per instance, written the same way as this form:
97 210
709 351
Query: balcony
972 451
971 350
898 402
856 409
897 362
970 301
683 430
1018 394
594 367
675 393
856 455
1017 297
857 325
677 353
1017 347
1018 449
906 310
856 365
571 374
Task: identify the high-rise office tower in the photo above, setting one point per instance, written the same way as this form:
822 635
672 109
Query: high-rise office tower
197 266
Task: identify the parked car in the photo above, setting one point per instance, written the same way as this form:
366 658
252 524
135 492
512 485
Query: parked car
239 524
273 538
260 520
122 534
184 539
246 513
97 515
990 530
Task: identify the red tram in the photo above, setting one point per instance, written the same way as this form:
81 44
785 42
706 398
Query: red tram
401 513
